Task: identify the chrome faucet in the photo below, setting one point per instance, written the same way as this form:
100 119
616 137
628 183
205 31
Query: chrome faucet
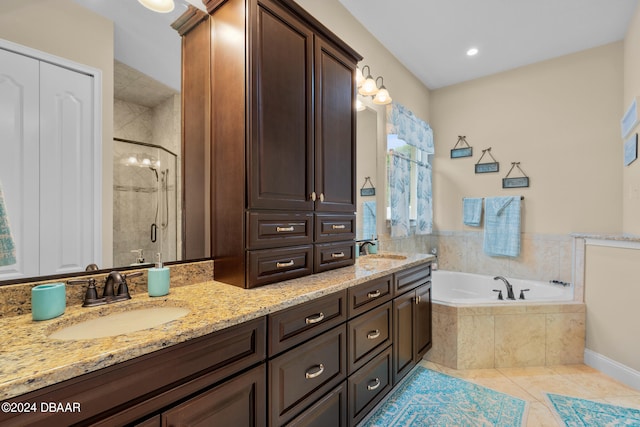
510 294
109 293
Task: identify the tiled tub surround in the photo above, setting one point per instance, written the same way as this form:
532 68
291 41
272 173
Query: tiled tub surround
15 300
507 335
29 360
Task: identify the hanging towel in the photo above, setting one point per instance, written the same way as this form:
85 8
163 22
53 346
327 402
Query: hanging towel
7 247
502 226
369 220
471 211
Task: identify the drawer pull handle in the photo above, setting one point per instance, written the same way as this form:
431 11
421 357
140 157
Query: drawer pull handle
284 264
374 294
338 227
337 255
315 319
284 229
318 371
375 385
373 334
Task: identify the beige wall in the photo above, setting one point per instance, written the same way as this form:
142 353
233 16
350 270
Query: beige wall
611 295
631 174
67 30
560 119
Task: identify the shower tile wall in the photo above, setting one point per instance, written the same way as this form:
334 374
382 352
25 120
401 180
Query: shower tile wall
134 211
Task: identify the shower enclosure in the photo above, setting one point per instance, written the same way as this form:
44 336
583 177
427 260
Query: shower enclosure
144 203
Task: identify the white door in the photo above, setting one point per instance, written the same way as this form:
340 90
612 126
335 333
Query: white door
47 160
19 164
66 170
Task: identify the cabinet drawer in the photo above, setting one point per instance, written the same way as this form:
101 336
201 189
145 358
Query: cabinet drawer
301 376
333 255
297 324
237 402
369 385
330 410
271 230
411 278
274 265
333 228
369 295
368 335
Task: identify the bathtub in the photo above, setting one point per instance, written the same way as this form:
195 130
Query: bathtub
452 287
472 329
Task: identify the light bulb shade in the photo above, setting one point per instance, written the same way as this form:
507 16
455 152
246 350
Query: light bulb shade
161 6
382 97
359 77
369 87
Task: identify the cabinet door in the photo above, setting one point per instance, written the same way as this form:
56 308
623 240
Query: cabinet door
335 130
403 337
239 402
280 151
422 318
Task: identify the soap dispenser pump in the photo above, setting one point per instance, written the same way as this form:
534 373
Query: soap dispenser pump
158 280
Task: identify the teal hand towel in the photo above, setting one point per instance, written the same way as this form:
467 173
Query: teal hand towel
471 211
7 247
502 226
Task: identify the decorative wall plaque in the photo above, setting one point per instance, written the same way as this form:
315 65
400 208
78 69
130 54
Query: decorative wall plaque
487 167
462 151
515 182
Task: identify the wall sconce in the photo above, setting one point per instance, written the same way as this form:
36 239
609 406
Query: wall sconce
161 6
382 97
367 86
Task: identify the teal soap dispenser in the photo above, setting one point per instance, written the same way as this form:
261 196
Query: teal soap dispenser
158 280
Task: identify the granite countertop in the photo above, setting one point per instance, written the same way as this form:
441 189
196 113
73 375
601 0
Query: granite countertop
29 360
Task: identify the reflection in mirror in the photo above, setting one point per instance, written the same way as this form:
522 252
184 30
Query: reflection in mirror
366 166
137 54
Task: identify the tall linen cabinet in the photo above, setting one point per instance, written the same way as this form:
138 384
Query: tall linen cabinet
269 101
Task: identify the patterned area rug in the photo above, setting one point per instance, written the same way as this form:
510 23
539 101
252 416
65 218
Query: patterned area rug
586 413
429 398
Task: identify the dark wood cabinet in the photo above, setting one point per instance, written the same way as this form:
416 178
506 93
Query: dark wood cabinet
238 402
369 385
412 329
281 136
329 411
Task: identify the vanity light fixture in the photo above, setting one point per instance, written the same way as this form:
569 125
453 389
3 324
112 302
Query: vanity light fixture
369 87
472 52
359 77
161 6
382 96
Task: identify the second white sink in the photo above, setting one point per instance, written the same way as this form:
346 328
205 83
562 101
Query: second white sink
120 323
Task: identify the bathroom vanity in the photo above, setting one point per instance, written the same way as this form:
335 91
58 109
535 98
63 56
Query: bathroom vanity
320 350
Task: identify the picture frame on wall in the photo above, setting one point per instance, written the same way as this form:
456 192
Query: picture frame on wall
631 149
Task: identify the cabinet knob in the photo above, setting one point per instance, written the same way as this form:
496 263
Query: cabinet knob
321 197
375 385
316 371
313 196
314 319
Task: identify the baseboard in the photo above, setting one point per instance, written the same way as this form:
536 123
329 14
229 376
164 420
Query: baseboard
614 369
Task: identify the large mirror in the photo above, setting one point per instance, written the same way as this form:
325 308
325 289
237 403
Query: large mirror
135 167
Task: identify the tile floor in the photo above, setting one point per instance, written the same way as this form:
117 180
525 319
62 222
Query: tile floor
530 384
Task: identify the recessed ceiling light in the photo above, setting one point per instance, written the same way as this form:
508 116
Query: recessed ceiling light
473 51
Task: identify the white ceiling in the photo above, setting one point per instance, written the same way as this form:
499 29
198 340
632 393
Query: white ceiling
431 37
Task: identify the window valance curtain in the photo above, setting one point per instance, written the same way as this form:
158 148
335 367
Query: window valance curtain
417 133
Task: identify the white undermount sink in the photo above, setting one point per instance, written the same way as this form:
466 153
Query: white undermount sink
120 323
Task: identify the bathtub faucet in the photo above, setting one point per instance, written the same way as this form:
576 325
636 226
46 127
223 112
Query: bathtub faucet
510 294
